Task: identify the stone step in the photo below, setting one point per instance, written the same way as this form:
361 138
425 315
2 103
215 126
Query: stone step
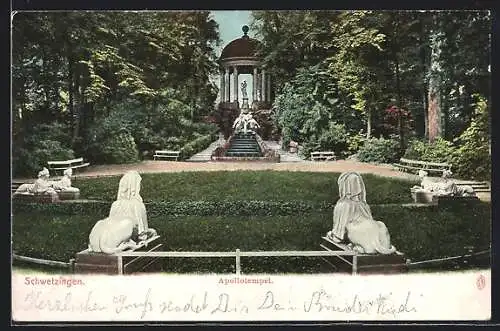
243 154
243 149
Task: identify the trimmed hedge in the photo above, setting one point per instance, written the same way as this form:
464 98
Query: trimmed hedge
184 208
317 188
197 145
421 233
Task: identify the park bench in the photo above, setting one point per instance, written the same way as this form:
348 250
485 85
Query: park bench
323 156
63 165
416 165
166 154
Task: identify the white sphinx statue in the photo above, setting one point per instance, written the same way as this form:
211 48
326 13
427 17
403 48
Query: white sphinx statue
442 187
352 218
64 184
42 186
127 220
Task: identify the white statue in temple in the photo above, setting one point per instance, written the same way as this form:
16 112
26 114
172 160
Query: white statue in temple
127 220
352 219
64 184
244 89
42 186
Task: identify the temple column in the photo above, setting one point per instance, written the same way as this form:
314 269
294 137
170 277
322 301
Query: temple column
227 83
263 86
254 84
222 87
235 79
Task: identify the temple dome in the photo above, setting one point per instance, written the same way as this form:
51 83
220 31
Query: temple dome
241 47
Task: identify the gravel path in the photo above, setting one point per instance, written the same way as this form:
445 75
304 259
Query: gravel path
172 166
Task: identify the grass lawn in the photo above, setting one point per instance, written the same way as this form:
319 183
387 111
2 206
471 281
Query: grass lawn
246 185
421 233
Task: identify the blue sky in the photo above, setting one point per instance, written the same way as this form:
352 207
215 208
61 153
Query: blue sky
230 24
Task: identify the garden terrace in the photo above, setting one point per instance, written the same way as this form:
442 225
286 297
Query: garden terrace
251 211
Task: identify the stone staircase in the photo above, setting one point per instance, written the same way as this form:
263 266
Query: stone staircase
479 187
244 145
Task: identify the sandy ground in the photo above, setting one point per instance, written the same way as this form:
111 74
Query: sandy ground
172 166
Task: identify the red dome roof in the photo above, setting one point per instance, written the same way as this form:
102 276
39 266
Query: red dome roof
241 47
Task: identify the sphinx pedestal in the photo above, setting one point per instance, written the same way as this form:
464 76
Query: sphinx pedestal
36 198
99 263
365 263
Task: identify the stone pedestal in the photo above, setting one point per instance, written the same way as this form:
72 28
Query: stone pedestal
245 104
36 198
450 201
366 263
99 263
68 195
422 197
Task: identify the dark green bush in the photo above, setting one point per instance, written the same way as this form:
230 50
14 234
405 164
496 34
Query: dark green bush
379 150
197 145
48 142
440 150
119 148
333 138
472 159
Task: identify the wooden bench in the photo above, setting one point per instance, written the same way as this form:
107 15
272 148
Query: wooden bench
416 165
63 165
323 156
166 154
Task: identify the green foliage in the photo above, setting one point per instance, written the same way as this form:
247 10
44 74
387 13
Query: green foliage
379 150
355 142
472 159
440 150
119 148
197 145
48 142
334 138
415 231
309 111
100 72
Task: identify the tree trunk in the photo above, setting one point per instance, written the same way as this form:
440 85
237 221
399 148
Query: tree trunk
368 123
434 93
398 104
76 112
71 107
426 119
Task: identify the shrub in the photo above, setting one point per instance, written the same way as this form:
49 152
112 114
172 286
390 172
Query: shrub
355 142
197 145
440 150
118 149
472 159
379 150
47 142
333 138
